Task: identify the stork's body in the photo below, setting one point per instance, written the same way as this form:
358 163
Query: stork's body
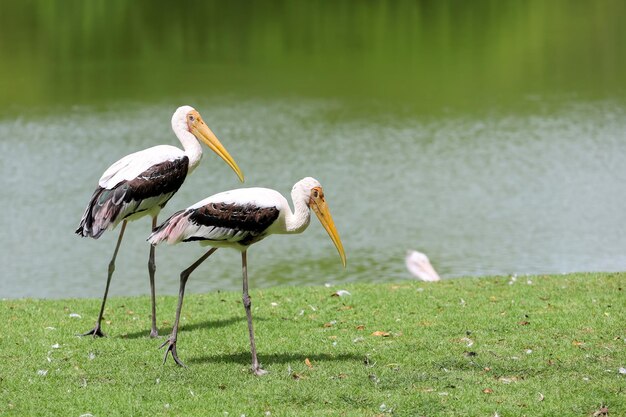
141 184
237 219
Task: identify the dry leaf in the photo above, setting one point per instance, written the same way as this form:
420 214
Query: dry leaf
308 363
360 327
488 391
603 411
523 323
381 333
577 343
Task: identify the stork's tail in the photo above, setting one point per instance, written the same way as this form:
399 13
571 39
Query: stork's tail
171 230
101 212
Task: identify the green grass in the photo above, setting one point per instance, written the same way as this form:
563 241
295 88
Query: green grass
552 347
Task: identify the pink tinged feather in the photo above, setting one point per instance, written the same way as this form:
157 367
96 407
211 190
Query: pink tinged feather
419 265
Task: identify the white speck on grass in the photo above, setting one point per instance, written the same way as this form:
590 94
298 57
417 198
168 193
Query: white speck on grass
158 380
167 405
358 339
301 313
622 370
55 346
312 308
91 356
342 293
268 413
75 316
529 282
86 415
274 304
468 342
529 351
443 393
419 289
42 372
586 378
50 328
49 359
334 343
192 393
328 285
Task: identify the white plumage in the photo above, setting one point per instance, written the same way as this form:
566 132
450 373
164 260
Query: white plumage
140 184
237 219
419 265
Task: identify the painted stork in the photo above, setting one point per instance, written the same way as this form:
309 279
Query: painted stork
237 219
140 184
419 265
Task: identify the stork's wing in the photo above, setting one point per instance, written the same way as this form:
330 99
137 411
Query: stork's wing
151 188
218 222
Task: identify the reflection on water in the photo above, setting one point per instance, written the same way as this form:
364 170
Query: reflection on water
489 135
428 55
498 194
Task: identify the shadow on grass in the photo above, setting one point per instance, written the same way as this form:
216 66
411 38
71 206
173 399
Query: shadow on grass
166 331
244 358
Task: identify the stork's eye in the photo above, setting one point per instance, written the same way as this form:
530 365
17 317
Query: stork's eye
191 118
315 193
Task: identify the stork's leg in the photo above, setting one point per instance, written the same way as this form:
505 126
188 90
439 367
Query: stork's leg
256 368
97 331
184 276
151 270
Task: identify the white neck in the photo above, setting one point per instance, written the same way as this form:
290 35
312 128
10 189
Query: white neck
297 221
192 147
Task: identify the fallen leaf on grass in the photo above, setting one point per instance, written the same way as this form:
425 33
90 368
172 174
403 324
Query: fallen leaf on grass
603 411
297 376
360 327
330 323
523 323
488 391
577 343
307 362
381 333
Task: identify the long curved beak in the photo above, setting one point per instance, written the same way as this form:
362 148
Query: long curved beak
320 208
200 130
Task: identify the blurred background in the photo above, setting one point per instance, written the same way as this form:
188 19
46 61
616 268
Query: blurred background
490 135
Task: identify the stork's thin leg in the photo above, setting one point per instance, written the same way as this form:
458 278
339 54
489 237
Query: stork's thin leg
97 331
151 270
256 368
184 276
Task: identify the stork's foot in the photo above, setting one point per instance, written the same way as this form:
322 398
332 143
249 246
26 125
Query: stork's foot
95 332
154 333
171 348
258 371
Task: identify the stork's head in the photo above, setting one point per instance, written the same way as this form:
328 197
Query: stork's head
312 192
186 118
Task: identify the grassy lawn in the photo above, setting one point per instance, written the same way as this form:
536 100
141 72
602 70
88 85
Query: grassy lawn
538 346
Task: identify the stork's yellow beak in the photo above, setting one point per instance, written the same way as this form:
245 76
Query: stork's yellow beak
201 131
320 208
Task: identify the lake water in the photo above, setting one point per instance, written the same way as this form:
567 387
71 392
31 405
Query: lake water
491 137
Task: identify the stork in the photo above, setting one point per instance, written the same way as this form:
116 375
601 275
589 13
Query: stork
141 184
237 219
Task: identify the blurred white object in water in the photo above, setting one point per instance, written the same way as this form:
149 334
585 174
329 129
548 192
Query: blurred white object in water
418 264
